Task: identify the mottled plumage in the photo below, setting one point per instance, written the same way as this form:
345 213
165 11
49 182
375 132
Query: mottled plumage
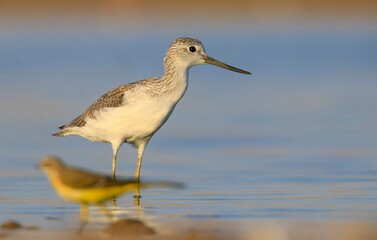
133 112
111 99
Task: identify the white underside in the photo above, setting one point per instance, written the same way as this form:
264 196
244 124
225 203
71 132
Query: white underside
133 123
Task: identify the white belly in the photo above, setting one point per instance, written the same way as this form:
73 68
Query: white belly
129 123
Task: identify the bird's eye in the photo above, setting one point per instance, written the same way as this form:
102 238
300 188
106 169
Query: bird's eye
192 49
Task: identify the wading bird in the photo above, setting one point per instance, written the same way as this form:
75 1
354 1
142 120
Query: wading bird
133 112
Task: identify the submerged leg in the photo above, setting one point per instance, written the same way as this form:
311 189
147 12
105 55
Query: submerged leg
115 146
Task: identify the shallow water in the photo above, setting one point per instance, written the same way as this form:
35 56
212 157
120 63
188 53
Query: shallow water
294 141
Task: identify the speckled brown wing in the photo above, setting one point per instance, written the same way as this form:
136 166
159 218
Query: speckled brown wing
111 99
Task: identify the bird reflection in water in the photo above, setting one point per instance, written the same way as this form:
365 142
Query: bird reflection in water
86 187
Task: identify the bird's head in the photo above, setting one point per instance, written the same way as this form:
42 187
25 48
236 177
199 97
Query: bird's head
188 52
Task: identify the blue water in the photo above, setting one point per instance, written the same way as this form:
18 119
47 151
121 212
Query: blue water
295 140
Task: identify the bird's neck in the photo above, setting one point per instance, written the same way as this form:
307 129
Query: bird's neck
176 78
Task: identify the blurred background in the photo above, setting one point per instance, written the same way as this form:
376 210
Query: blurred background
295 140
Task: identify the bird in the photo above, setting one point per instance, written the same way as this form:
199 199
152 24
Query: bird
132 113
88 187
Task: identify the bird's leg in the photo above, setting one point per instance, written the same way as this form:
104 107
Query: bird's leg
137 195
114 199
115 146
83 217
138 167
114 165
140 152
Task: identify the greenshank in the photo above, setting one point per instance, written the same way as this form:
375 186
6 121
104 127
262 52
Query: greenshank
132 113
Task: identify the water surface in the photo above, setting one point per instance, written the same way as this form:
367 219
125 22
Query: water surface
294 141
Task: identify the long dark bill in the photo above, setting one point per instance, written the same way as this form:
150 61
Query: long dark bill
215 62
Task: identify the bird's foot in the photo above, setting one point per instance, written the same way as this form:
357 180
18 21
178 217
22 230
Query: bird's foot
137 196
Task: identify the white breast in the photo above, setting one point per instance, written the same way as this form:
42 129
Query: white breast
131 122
144 112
